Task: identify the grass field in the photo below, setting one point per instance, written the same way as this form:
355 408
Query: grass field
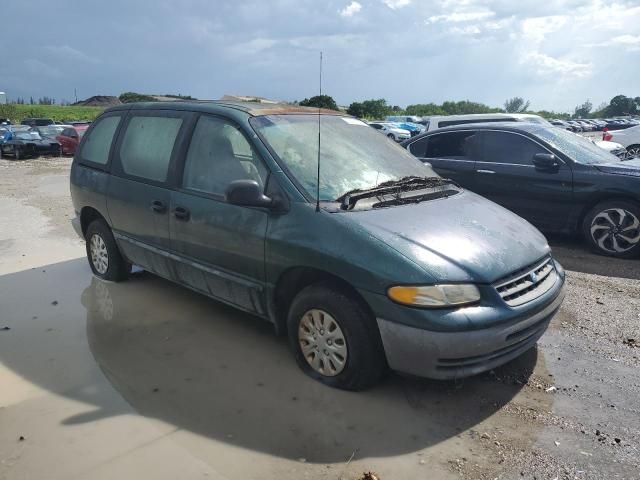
16 113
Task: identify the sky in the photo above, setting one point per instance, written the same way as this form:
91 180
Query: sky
555 53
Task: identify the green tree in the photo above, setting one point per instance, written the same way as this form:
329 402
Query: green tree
130 97
320 101
583 111
424 109
356 109
371 109
516 105
622 105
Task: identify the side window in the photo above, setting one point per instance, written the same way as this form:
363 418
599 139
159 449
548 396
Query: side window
503 147
98 143
419 147
147 146
456 145
219 154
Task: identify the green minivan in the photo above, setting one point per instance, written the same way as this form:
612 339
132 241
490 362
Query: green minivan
310 219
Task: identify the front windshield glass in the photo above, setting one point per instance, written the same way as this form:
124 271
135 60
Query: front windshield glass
353 155
578 148
50 131
27 136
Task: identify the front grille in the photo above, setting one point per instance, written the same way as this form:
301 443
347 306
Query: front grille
527 284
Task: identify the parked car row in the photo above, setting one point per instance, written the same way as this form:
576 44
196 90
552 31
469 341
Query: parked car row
23 141
590 125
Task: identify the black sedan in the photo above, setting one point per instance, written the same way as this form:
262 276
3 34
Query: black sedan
25 144
556 179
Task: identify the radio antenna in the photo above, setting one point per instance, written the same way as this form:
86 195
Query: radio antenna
319 114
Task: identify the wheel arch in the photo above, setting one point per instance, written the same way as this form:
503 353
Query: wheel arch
88 215
293 280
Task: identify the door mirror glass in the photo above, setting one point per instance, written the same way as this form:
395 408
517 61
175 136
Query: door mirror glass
545 160
247 193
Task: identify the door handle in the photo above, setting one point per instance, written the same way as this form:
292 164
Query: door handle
485 171
181 213
158 207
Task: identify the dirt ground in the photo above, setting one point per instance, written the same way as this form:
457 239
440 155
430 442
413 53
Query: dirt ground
146 379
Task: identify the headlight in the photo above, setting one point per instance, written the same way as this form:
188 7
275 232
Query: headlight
435 295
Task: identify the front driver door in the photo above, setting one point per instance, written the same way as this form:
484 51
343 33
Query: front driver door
451 154
220 246
505 173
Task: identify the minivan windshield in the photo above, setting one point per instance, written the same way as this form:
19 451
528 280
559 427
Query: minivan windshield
578 148
352 155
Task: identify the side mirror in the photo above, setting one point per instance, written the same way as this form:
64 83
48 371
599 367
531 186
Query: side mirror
545 161
247 193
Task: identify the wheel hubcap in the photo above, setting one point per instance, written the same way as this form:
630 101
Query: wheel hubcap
633 152
322 342
99 255
615 230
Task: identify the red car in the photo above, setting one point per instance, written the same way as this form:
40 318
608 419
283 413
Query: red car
70 137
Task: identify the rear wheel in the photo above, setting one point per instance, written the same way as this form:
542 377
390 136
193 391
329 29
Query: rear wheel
103 254
390 135
613 228
16 152
334 339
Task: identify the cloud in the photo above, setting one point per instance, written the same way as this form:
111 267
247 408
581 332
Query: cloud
350 10
395 4
457 17
547 65
65 52
555 53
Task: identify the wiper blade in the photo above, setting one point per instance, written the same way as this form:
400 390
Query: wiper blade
349 199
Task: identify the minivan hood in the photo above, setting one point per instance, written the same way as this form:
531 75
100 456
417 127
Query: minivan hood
626 167
464 237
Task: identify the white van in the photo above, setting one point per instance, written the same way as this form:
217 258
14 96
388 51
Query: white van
448 120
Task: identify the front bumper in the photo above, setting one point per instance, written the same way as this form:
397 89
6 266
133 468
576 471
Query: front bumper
449 355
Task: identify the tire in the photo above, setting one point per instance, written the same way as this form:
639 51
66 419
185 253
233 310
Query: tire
390 135
16 153
107 263
613 228
363 360
633 151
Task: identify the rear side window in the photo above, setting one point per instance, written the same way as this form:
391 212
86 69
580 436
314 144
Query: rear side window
504 147
419 147
147 146
96 146
456 145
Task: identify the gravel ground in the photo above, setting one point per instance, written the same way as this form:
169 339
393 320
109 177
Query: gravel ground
569 409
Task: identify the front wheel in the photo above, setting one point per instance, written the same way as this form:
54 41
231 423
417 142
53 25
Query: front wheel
613 228
633 151
103 254
335 340
16 153
390 135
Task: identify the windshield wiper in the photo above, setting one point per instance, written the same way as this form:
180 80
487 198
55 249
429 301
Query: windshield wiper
392 187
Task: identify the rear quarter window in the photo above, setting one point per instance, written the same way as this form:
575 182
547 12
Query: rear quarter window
148 145
96 147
